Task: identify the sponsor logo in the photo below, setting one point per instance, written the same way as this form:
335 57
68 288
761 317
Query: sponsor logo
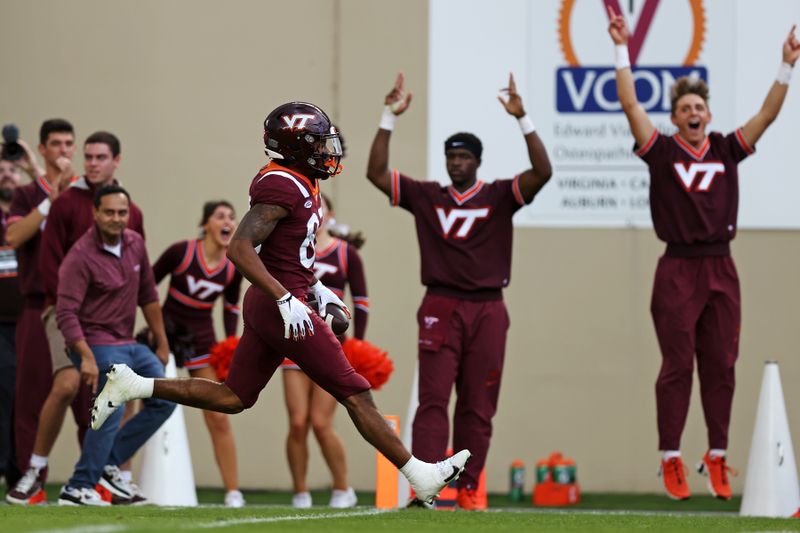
308 204
592 89
429 321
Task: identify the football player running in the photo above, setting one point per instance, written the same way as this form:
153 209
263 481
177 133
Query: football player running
696 306
274 248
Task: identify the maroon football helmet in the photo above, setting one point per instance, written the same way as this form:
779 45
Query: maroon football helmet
300 136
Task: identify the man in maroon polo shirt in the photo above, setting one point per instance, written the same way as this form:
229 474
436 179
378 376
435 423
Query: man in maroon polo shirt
464 234
696 305
104 277
27 216
68 219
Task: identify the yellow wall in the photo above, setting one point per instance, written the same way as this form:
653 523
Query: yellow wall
186 85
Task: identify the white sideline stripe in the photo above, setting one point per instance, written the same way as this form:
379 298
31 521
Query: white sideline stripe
266 520
107 528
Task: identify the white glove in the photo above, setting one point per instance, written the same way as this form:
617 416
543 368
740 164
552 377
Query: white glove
326 296
295 316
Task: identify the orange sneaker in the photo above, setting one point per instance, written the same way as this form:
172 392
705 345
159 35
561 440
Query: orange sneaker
673 472
796 515
470 500
717 471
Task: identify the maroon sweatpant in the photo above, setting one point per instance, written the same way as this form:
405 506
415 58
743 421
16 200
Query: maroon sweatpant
33 382
461 342
696 310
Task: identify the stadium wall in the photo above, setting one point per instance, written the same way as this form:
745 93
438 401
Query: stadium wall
186 85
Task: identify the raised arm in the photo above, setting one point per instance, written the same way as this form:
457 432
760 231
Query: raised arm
756 126
22 230
532 180
641 126
396 103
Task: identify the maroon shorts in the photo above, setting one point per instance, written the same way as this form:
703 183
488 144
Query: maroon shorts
262 349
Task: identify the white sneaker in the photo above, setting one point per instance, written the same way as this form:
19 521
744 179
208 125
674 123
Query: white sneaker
427 482
301 500
343 499
234 499
122 385
84 496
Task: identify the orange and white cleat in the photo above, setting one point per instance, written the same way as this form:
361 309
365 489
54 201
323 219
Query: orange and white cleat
717 471
673 473
29 490
470 500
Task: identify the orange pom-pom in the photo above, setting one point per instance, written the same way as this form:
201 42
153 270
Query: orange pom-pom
369 361
221 355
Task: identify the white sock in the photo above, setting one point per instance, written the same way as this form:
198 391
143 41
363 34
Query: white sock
413 466
669 454
716 452
38 461
144 387
127 475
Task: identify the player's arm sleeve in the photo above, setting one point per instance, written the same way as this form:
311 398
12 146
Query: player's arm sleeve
738 145
71 294
275 189
53 245
169 260
405 191
652 149
357 281
147 283
230 310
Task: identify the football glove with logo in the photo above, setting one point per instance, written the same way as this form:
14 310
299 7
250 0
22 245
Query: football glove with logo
326 296
296 320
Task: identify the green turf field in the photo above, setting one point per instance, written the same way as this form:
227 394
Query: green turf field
268 511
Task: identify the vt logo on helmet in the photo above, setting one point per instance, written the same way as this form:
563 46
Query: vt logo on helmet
302 137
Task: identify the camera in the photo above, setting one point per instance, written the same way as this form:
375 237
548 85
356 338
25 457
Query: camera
11 148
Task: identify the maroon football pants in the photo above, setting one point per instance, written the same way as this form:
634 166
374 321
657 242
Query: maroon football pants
696 310
461 343
262 348
33 382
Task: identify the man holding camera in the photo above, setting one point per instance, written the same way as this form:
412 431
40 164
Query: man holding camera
27 215
15 155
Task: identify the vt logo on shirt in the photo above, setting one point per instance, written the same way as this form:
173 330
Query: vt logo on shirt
203 288
448 220
706 171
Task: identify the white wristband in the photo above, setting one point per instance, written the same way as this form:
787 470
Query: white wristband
784 73
526 125
621 57
44 206
388 119
284 297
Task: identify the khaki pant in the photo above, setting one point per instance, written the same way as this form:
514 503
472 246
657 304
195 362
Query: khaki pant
58 348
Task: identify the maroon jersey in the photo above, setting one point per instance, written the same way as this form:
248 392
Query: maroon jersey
464 238
338 266
194 287
26 198
70 217
694 194
288 253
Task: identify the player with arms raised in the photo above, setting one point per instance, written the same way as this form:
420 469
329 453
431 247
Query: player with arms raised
464 233
696 307
273 248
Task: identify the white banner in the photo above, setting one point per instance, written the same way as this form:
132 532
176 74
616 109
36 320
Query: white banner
562 58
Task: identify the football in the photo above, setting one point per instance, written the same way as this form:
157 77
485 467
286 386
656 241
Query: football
336 318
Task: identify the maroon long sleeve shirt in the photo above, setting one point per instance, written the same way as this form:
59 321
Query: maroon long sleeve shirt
98 292
70 216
